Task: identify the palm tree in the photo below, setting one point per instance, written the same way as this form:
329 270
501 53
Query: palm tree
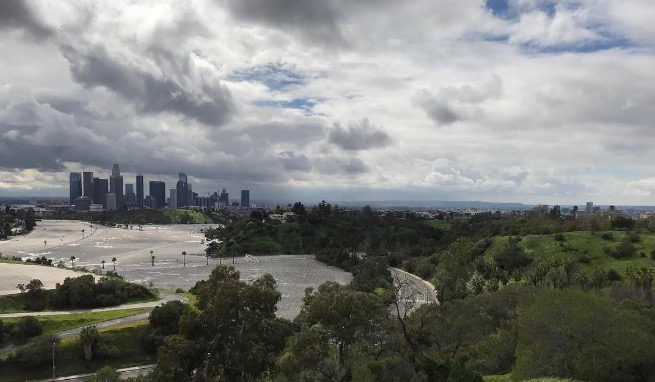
207 255
152 257
72 261
82 234
45 242
103 264
184 256
113 260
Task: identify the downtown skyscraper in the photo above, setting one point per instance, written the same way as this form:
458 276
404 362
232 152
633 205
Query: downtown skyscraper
75 186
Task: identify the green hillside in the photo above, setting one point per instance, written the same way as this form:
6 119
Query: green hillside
187 217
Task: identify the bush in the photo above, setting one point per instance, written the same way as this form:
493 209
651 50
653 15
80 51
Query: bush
37 353
634 237
607 236
613 275
559 237
26 328
584 259
624 250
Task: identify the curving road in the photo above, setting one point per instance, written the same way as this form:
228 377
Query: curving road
411 291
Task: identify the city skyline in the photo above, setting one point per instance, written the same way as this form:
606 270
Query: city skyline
495 100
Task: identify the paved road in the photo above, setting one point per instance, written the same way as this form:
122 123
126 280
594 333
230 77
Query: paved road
413 291
165 297
105 324
129 372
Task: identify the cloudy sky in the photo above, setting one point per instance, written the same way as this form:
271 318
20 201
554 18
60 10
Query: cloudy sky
535 101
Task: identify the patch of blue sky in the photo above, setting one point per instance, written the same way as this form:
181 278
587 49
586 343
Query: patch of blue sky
274 76
511 10
305 104
587 46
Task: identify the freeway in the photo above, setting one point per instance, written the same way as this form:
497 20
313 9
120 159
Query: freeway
411 292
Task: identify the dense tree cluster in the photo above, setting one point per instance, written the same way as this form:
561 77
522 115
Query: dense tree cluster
85 292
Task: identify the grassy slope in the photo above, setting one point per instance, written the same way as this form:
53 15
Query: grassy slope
443 224
58 323
580 243
69 359
15 303
197 217
508 378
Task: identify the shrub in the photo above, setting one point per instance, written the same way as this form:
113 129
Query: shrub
584 259
607 236
26 328
634 237
613 275
624 250
559 237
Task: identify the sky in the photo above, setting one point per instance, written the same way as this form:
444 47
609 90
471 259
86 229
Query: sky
533 101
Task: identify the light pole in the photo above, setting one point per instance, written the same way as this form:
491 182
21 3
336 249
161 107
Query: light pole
53 359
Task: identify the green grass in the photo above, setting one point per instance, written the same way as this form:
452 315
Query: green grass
580 244
508 378
59 323
442 224
69 359
196 217
15 303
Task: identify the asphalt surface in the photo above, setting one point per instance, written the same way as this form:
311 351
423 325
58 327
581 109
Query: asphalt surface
129 372
412 292
131 248
166 297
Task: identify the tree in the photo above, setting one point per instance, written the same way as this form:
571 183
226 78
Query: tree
82 234
26 328
299 209
231 336
106 374
38 352
113 260
152 257
72 261
89 338
103 264
184 257
572 334
342 328
36 295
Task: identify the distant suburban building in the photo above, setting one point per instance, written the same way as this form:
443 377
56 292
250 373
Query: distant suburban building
87 182
245 198
139 191
158 192
590 208
75 184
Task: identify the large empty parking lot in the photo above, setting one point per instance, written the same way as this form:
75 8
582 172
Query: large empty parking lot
131 247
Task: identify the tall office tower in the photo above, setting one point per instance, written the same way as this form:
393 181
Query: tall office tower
590 208
182 190
190 199
130 197
75 183
116 185
101 188
111 201
245 198
172 201
139 191
87 181
158 192
115 170
224 198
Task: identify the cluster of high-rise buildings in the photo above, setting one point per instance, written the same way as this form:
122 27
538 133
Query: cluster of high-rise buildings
88 193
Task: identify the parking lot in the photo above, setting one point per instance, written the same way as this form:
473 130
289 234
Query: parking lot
60 240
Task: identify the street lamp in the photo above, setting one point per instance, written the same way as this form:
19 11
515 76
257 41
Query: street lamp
53 359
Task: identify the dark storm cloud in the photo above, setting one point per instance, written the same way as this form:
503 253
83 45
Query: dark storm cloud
360 136
295 162
355 166
17 14
151 94
438 110
17 153
316 19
